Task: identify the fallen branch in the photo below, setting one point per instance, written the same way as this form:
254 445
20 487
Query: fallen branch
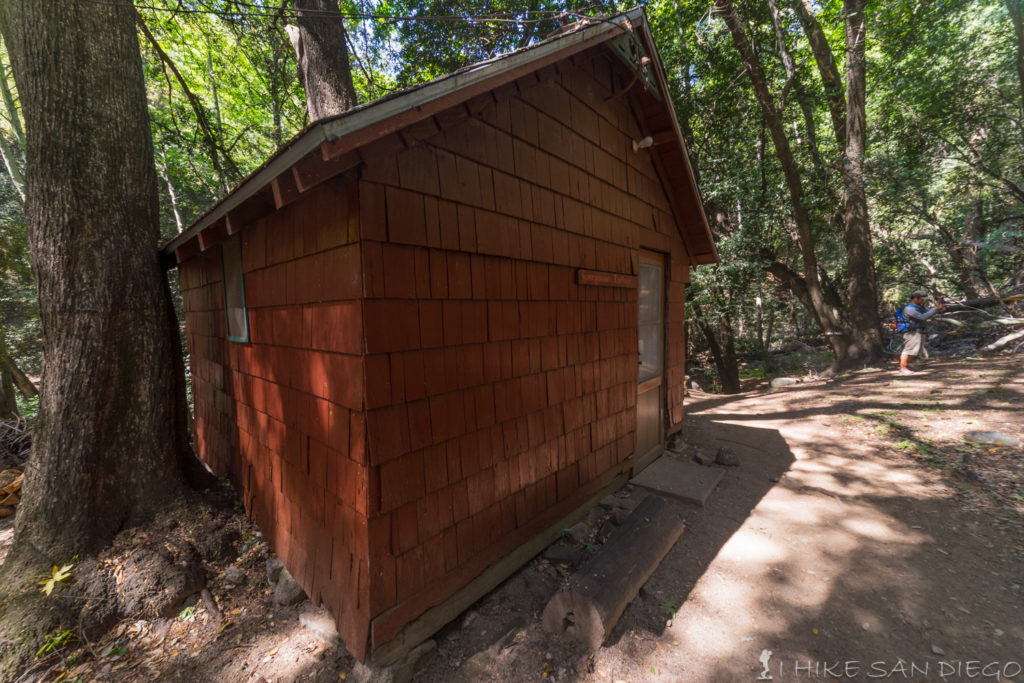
1003 341
21 380
1014 294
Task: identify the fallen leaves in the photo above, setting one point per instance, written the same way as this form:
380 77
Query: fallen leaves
58 575
10 490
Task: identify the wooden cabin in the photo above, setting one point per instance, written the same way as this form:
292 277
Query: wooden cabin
426 332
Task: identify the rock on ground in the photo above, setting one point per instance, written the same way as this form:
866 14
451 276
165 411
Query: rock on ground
288 591
274 568
727 456
321 622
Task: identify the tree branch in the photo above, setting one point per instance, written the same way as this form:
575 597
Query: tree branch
204 126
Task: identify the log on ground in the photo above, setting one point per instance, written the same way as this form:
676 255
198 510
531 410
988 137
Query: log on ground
600 591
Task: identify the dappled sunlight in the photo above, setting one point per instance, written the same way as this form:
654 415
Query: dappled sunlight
871 529
848 555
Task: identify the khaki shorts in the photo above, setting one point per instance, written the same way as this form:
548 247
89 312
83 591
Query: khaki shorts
913 344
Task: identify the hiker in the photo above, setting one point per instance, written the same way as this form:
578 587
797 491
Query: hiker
917 320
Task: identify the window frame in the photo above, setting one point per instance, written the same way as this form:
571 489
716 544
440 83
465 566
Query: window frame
224 288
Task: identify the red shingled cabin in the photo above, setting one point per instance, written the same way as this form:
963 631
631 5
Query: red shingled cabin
426 332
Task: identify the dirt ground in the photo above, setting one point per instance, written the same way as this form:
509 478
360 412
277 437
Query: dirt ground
865 536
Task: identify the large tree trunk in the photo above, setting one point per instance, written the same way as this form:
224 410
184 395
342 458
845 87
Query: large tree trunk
865 337
111 434
322 56
829 317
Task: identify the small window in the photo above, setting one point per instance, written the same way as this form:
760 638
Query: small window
650 328
234 289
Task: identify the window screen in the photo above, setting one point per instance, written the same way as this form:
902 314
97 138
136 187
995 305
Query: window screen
234 289
650 321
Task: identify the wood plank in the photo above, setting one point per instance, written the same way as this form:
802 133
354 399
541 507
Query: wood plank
186 251
285 189
314 168
597 278
213 235
251 210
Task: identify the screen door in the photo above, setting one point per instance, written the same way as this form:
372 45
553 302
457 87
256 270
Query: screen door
650 359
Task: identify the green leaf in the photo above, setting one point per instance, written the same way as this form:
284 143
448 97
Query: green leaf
58 575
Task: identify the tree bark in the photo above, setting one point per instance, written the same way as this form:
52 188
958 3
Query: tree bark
321 52
828 316
722 354
111 436
796 284
865 339
823 57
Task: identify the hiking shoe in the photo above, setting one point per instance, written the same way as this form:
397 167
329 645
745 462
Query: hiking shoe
906 371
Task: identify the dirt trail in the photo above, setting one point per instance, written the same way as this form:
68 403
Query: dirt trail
863 532
852 537
874 553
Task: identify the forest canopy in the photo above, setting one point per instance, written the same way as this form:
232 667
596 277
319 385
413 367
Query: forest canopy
943 159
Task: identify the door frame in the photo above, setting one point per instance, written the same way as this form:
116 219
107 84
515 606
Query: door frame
642 460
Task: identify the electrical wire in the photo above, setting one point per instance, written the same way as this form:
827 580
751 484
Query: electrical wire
263 12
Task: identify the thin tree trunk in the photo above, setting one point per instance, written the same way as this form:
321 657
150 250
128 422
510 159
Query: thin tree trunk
275 101
865 325
827 315
162 167
787 59
13 112
830 78
8 402
20 379
212 147
1016 9
321 52
759 301
111 438
812 133
213 89
14 156
13 167
722 354
965 254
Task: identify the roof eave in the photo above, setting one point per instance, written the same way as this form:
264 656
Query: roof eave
451 91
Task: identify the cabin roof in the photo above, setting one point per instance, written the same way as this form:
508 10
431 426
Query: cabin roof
328 147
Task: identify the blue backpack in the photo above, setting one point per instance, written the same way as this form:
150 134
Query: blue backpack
901 323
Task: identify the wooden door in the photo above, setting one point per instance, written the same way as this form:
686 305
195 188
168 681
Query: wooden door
650 418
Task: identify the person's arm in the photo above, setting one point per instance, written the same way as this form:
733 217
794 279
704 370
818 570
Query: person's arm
912 313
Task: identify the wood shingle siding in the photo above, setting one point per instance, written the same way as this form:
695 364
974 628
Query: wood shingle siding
427 386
